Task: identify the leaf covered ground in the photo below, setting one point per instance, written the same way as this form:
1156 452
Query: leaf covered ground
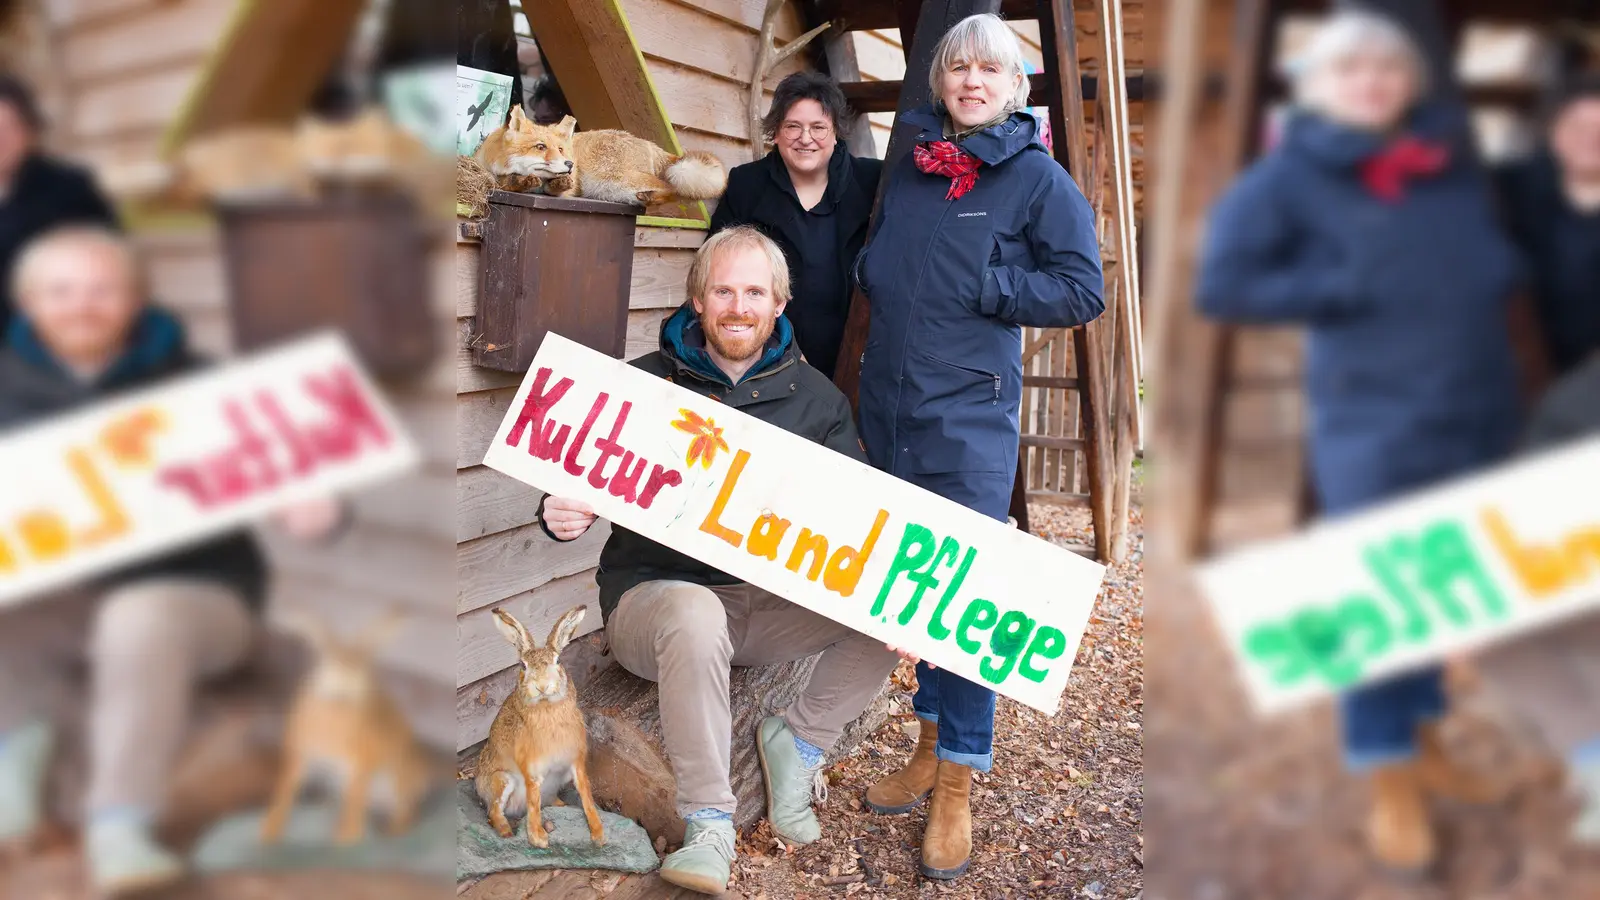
1059 816
1242 808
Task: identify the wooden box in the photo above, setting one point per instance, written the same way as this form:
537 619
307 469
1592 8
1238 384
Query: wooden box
358 263
552 264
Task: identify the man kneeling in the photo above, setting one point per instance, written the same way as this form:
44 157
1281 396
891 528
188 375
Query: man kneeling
681 623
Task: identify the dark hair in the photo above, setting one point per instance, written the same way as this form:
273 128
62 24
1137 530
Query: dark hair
808 86
16 93
1582 86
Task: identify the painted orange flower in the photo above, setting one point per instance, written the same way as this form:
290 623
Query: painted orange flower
708 437
128 440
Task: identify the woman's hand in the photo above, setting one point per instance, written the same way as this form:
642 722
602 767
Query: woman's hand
908 656
313 520
567 519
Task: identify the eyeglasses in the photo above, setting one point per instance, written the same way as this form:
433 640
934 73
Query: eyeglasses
792 131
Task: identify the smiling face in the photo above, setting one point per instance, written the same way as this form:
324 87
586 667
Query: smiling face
1370 89
1575 139
739 308
82 296
806 138
975 92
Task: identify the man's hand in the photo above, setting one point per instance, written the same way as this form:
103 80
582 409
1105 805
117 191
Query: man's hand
312 520
567 519
908 656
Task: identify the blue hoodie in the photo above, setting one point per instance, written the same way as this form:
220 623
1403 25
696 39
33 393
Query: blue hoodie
1410 373
951 284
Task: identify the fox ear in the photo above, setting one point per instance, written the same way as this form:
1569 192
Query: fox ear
568 124
518 121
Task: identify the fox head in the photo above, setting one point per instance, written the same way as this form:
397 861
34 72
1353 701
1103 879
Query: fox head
543 151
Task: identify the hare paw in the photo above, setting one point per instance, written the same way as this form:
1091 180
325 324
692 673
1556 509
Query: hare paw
538 838
504 830
598 837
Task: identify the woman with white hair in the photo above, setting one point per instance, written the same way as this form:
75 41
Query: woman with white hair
983 233
1369 225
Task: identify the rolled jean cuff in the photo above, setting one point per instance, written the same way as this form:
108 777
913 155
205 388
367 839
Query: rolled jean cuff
930 716
1587 753
1366 760
981 762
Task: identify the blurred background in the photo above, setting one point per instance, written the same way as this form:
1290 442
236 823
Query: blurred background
278 169
1239 806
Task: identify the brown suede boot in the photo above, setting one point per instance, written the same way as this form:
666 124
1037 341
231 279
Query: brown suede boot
947 842
1443 777
1399 829
904 790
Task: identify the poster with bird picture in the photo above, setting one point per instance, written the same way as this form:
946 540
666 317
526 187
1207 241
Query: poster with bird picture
483 100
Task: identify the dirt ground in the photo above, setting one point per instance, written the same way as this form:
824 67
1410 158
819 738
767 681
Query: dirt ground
1242 808
1058 817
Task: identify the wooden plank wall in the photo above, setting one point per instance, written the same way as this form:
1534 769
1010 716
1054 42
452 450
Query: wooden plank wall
700 55
124 69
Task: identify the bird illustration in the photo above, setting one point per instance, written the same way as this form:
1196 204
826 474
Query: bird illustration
477 112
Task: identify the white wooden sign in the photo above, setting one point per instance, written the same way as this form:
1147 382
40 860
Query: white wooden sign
1446 570
966 593
126 480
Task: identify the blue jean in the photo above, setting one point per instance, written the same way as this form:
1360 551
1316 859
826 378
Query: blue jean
1381 719
964 712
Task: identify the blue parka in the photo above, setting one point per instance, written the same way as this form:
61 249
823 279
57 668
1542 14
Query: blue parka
1410 373
951 285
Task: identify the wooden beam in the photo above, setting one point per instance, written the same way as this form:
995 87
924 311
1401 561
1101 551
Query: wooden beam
1048 381
872 15
1052 443
270 61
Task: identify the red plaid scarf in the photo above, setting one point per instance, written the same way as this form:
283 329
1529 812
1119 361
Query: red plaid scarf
945 158
1387 172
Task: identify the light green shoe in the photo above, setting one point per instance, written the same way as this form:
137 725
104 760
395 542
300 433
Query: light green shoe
705 862
1586 778
790 783
24 761
125 858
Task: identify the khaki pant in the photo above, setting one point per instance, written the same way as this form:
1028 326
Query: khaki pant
685 637
1551 681
147 644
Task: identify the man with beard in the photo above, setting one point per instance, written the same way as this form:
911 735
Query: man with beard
681 623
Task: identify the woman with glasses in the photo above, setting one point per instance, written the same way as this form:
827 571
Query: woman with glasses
813 198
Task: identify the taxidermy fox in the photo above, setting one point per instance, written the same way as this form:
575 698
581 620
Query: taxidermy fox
599 165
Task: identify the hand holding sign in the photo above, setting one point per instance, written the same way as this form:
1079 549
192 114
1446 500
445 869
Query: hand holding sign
920 573
567 519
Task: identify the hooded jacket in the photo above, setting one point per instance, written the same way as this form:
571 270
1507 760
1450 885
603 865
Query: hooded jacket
779 389
34 387
952 283
1410 372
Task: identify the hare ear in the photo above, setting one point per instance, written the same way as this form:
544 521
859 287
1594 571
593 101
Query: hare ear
566 627
512 630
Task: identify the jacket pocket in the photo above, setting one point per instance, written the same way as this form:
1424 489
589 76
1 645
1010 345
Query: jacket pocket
991 377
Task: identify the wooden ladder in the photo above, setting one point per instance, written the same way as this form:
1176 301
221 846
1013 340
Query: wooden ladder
1099 363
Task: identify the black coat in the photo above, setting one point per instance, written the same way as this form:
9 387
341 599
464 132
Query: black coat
1562 246
33 388
780 389
45 194
761 194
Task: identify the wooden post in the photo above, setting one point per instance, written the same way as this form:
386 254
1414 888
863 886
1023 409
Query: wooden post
1060 49
838 58
1195 366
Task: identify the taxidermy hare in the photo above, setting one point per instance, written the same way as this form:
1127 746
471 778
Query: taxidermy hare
343 724
537 742
606 165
